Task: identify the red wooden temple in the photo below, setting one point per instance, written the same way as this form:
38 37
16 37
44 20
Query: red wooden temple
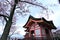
38 28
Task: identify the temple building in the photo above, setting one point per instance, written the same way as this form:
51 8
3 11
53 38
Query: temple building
38 28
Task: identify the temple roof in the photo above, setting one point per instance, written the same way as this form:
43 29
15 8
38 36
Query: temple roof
32 19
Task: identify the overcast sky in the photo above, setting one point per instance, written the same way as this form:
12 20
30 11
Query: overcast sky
35 11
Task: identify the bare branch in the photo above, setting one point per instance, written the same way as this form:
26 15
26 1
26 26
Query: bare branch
4 15
33 4
10 3
7 14
12 34
5 19
7 1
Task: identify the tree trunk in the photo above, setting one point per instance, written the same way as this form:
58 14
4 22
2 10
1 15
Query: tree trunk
8 38
8 24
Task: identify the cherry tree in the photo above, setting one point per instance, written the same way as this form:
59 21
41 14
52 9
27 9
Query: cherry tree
9 10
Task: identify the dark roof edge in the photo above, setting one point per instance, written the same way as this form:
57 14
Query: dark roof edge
50 22
27 21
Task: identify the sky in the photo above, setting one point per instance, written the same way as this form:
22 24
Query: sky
36 12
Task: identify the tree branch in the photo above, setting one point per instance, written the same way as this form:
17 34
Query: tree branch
5 19
33 4
4 15
8 2
7 14
59 1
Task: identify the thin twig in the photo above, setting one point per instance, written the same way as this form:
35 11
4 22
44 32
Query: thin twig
34 4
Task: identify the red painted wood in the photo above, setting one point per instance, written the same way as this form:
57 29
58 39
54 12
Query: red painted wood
41 32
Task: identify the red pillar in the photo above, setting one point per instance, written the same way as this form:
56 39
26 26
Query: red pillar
41 33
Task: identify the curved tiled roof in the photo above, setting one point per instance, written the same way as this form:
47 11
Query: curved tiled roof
48 22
